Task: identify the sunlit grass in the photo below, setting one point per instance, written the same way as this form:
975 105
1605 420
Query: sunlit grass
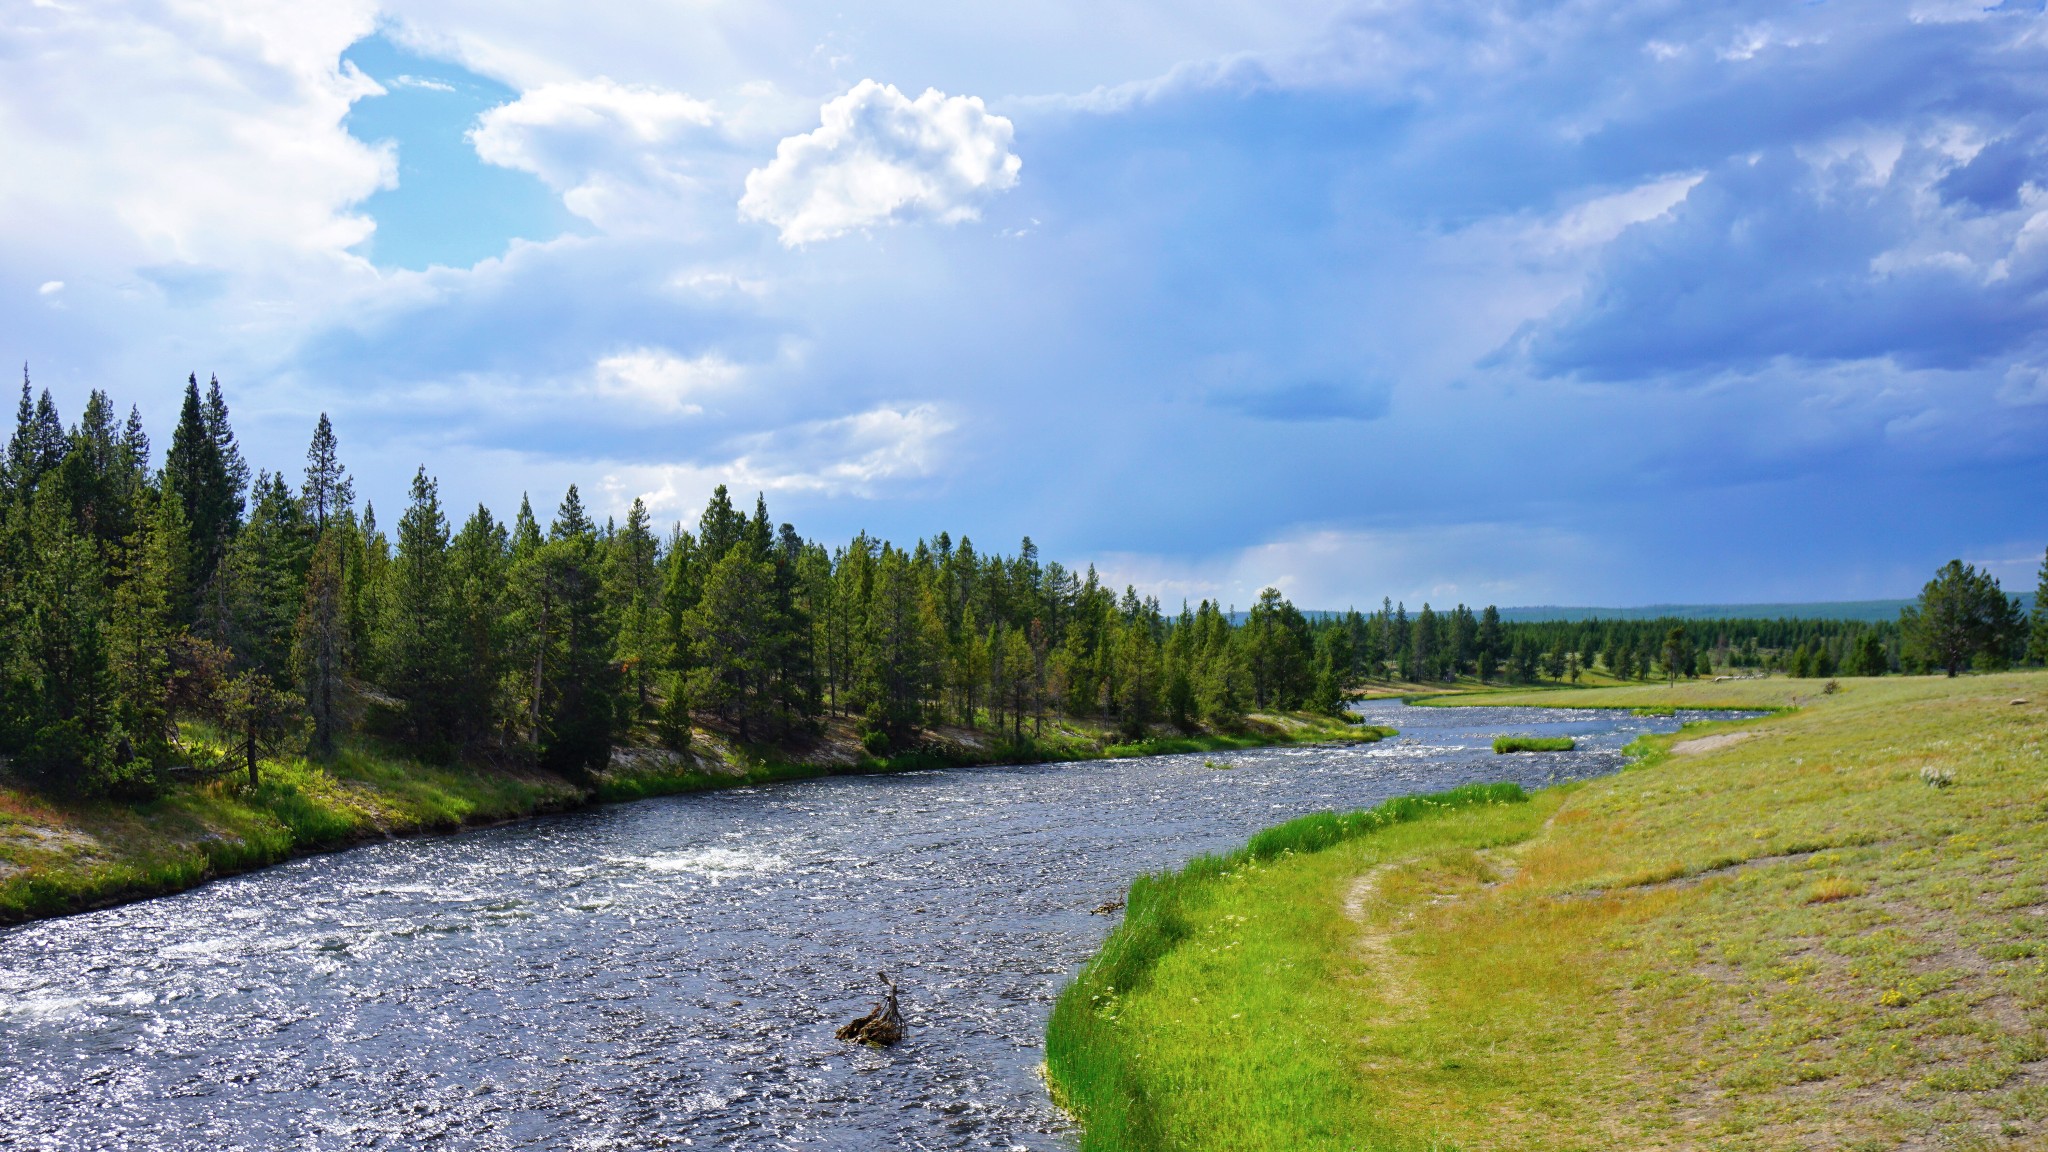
1787 942
1164 1042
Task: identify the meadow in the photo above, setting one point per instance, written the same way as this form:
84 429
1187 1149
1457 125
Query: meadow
1823 928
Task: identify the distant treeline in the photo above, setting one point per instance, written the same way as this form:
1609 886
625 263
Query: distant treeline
1438 646
138 597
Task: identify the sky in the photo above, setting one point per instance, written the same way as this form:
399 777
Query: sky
1596 302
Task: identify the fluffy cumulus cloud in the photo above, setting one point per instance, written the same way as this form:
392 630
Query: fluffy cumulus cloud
878 156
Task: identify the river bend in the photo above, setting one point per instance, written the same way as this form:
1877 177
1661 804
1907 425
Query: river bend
667 973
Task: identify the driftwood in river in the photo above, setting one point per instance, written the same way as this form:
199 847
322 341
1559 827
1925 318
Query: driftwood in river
881 1026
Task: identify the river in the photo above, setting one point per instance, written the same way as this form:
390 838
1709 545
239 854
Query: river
666 973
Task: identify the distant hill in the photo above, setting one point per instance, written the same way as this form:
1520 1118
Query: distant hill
1864 610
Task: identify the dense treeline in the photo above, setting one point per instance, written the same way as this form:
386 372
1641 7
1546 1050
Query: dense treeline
138 597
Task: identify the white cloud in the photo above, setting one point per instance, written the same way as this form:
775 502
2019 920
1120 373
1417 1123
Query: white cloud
661 380
186 165
50 288
848 456
880 157
620 155
1601 219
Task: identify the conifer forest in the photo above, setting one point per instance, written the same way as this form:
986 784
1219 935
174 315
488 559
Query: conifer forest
142 598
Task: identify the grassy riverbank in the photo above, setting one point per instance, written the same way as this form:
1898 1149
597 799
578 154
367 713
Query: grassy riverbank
1826 928
59 855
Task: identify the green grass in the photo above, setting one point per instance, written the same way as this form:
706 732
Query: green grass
1533 744
58 856
1137 987
1789 940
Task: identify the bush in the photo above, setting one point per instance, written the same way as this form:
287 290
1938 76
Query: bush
1533 744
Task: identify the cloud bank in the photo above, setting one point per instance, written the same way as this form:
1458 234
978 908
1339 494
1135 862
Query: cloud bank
1548 291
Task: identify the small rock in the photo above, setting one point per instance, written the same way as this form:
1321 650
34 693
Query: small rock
2018 702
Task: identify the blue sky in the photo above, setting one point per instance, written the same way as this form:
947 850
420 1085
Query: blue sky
1600 302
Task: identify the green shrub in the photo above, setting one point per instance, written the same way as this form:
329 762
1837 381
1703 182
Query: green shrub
1533 744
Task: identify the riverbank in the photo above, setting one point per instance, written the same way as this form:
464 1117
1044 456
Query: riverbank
1832 931
59 856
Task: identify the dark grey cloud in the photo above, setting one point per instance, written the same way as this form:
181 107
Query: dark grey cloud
1777 257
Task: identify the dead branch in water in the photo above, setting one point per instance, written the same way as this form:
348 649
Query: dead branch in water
882 1026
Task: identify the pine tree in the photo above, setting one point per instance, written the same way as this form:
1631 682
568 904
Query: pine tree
1677 654
1489 643
262 718
632 587
479 569
1023 674
731 632
19 469
1962 616
324 644
224 444
721 527
74 740
51 445
1325 698
265 581
896 653
212 502
418 662
135 444
328 491
38 445
575 733
143 624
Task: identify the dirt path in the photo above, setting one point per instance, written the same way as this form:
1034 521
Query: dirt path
1701 744
1375 945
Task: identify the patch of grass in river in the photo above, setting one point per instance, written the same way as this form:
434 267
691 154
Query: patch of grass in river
1504 744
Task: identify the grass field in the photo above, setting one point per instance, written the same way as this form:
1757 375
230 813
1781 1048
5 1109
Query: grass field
1822 929
60 855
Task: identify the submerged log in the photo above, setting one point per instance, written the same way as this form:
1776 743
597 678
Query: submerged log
881 1026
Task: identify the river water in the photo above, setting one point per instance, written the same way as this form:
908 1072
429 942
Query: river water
667 973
